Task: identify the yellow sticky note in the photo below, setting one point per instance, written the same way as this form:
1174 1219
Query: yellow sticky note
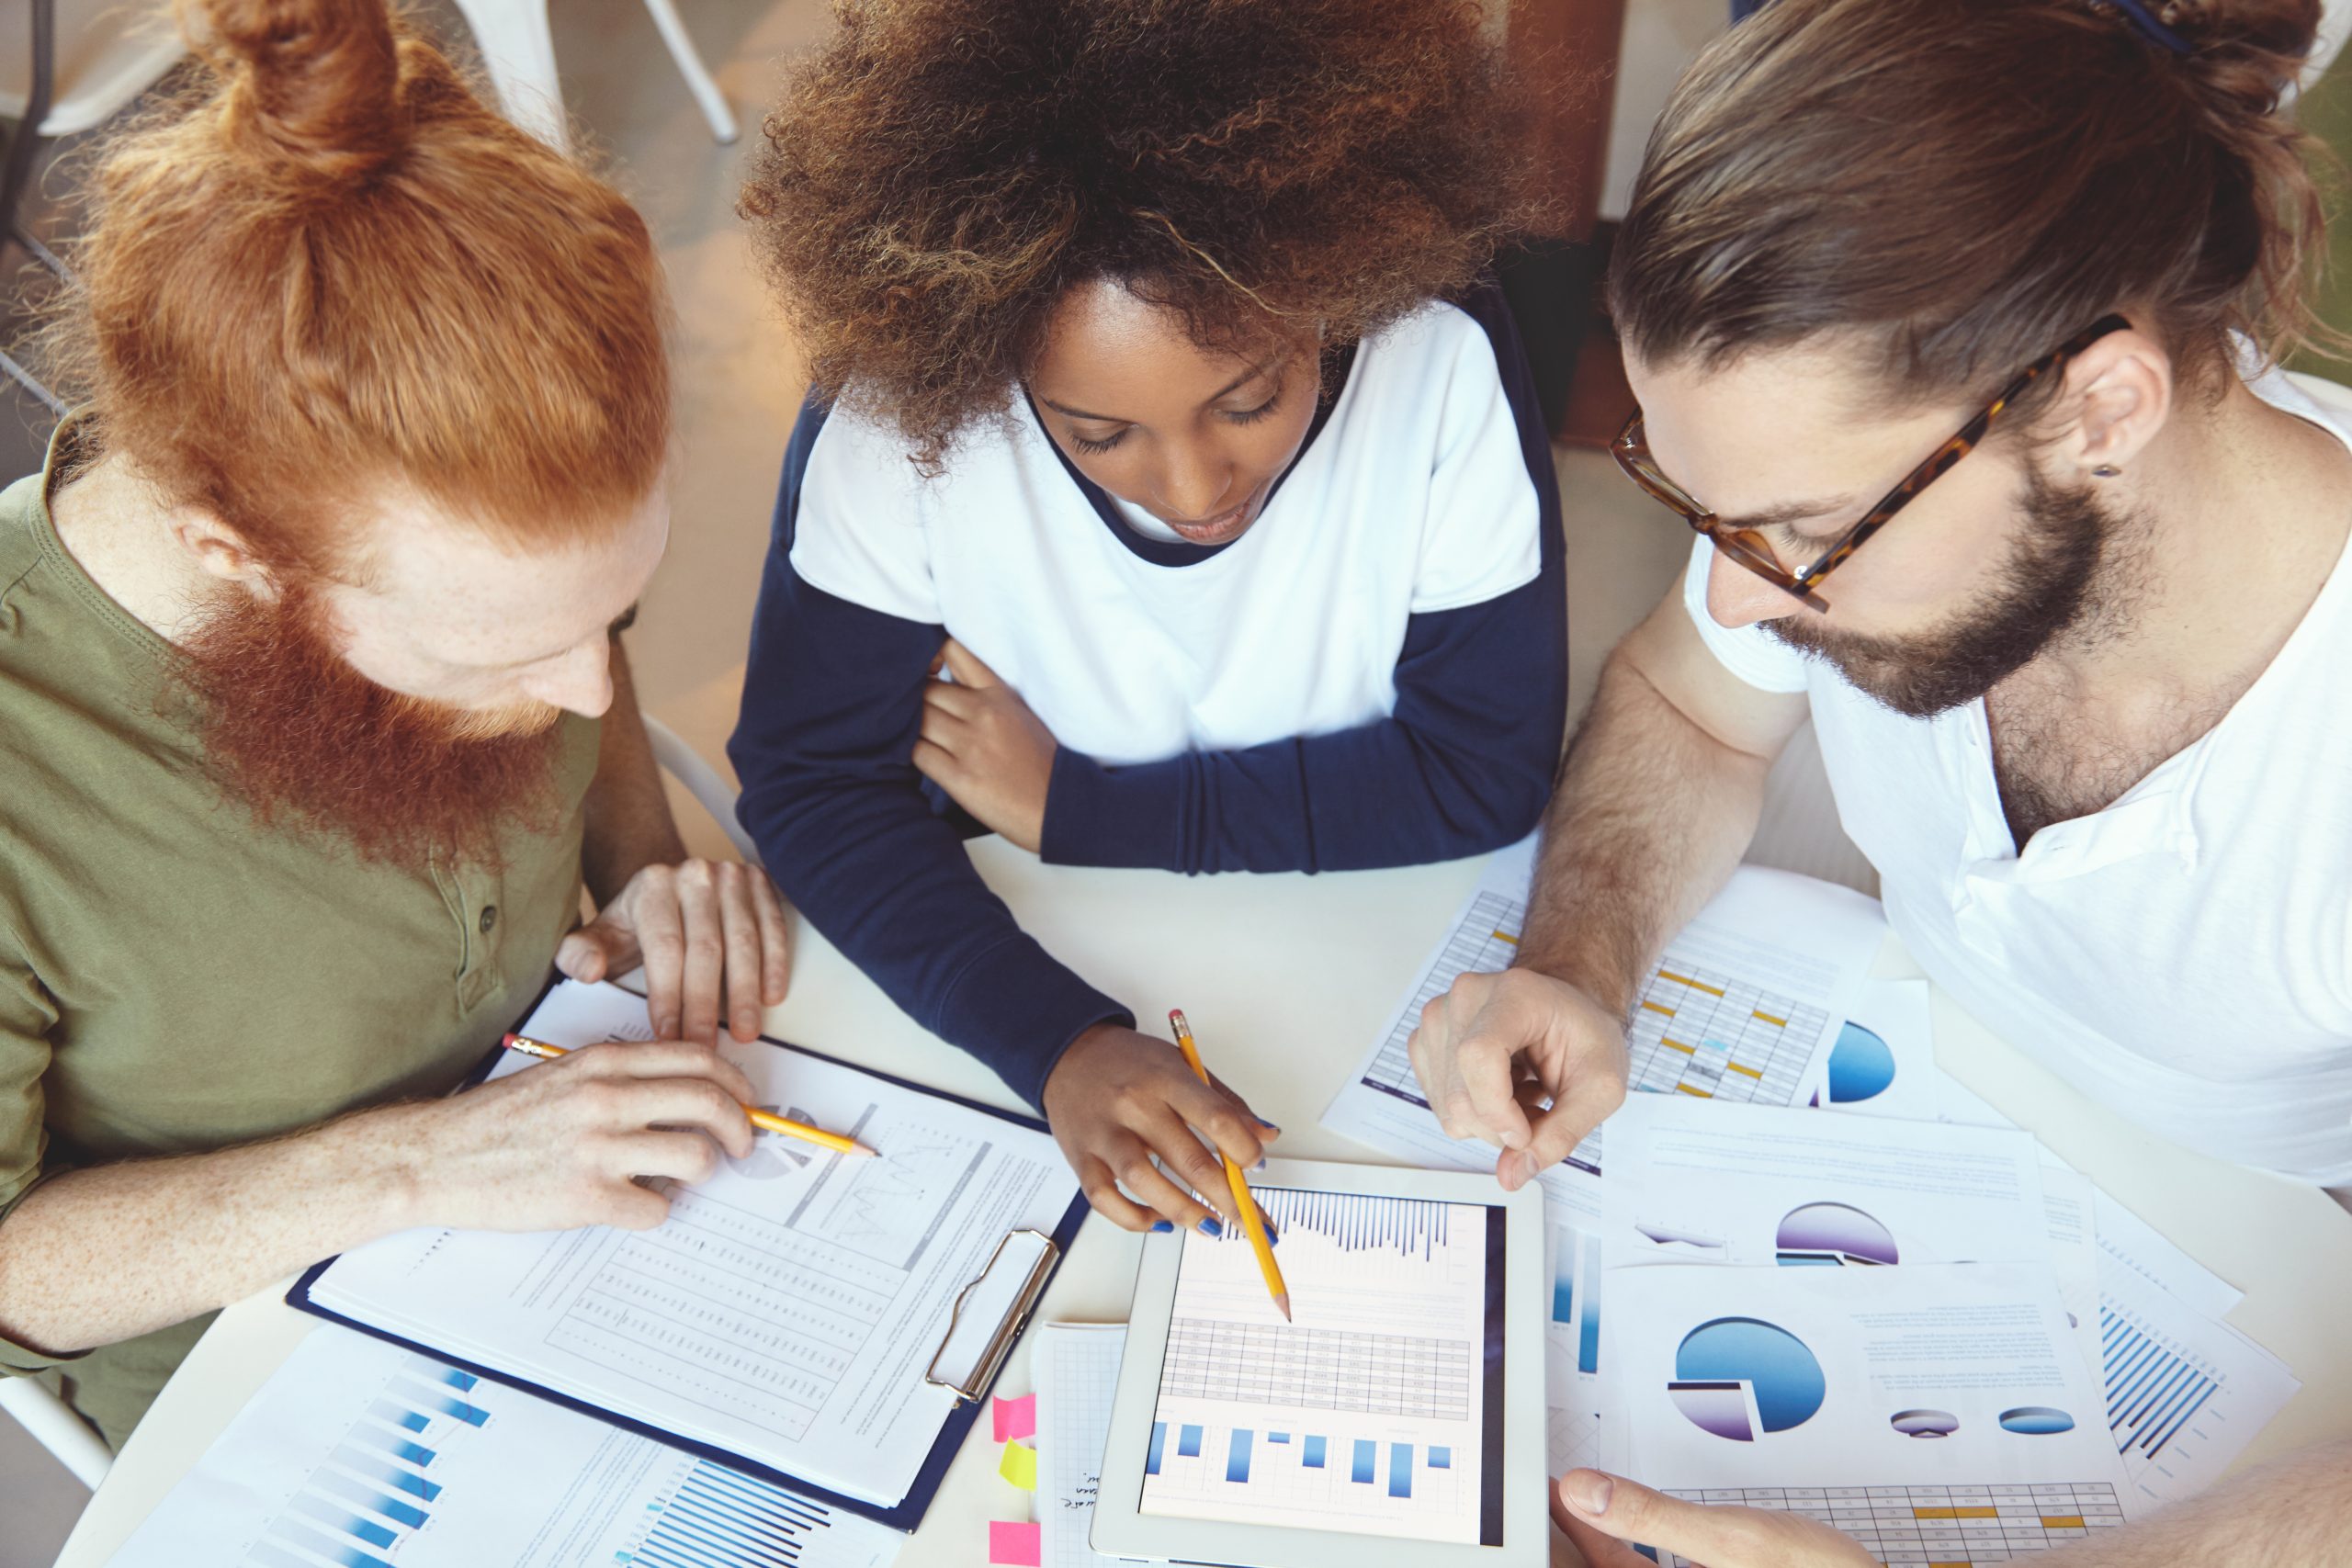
1020 1466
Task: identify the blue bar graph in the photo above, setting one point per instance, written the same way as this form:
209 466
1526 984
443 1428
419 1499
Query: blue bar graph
416 1454
1588 1339
1441 1458
2153 1390
388 1472
1237 1457
1400 1469
344 1519
368 1497
333 1551
385 1410
1314 1456
1365 1449
1159 1447
1278 1437
447 1404
459 1380
1187 1442
716 1518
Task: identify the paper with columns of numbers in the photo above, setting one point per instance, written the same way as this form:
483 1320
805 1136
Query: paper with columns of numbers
362 1453
1749 997
1938 1412
787 1309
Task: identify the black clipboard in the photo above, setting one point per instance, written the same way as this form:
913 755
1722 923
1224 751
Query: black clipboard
908 1512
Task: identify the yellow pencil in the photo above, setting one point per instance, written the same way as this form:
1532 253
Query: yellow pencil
1243 1203
767 1119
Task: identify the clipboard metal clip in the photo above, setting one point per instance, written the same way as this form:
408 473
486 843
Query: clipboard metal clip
1015 1316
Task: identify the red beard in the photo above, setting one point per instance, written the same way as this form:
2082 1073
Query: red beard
308 742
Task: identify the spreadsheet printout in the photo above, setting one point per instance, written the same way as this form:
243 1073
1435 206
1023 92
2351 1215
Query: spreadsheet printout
786 1310
1743 1006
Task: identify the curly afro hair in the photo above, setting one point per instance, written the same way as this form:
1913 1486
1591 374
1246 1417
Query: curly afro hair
942 171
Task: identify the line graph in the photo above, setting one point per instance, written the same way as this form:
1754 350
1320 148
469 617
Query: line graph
890 1209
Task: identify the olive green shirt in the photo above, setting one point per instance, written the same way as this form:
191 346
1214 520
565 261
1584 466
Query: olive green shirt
174 979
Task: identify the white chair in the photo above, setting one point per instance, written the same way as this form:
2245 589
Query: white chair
711 792
83 63
55 1427
518 50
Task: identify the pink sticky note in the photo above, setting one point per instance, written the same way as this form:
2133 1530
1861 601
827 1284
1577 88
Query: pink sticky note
1014 1544
1016 1417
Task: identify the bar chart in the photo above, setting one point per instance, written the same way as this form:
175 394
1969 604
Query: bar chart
379 1488
1369 1413
360 1454
1335 1479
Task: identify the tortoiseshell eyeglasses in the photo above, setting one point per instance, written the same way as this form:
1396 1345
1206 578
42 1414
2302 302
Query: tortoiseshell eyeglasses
1752 551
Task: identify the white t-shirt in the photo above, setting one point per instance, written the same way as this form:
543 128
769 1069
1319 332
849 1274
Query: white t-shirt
1414 497
2184 955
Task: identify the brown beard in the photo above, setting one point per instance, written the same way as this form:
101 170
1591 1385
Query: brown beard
308 742
2045 591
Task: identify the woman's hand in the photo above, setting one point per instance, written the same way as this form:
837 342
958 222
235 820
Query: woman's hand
1601 1513
703 929
982 745
1116 1098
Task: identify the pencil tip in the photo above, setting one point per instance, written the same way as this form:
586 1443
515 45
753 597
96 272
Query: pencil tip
1283 1302
862 1152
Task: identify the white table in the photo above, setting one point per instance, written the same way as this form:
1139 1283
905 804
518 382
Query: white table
1286 979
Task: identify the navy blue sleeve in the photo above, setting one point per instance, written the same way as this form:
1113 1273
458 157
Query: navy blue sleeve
1463 765
833 703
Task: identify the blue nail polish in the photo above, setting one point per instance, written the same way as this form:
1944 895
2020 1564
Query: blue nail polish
1210 1228
1273 1237
1160 1227
1275 1126
1259 1167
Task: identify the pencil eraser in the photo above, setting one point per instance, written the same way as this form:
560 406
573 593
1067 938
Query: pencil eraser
1014 1544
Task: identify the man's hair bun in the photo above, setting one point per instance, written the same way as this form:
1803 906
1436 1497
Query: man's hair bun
315 81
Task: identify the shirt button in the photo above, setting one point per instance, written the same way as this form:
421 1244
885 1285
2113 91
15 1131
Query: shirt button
489 918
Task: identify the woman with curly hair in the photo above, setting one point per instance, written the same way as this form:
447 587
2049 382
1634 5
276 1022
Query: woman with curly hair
1171 493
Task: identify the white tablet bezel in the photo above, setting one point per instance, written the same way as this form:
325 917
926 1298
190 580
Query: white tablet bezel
1120 1530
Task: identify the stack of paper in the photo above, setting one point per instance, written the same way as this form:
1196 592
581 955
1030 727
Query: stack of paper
1906 1318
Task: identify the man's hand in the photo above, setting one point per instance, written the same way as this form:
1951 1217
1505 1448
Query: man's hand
982 745
1495 1048
1116 1098
702 929
1600 1513
560 1144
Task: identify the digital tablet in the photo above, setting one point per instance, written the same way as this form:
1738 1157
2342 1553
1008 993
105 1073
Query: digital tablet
1398 1419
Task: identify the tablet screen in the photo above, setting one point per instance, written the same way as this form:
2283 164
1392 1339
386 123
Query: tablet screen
1377 1410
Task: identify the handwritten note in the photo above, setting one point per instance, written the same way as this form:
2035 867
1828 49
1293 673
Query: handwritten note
1076 1369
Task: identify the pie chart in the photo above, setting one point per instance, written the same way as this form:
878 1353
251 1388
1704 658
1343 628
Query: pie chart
1925 1423
1860 1065
1832 1235
1735 1376
2036 1420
